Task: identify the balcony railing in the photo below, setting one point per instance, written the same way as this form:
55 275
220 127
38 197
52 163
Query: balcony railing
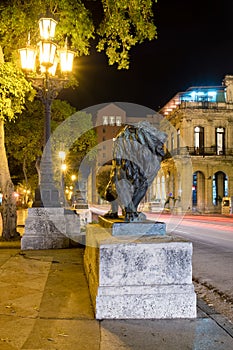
195 151
204 105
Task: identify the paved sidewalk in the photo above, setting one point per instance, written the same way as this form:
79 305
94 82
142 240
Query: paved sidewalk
45 304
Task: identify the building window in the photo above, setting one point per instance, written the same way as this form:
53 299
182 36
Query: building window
220 141
178 138
199 139
105 120
220 187
172 141
178 141
118 120
203 95
111 120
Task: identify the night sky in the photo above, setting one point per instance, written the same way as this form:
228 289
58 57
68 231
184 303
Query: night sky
194 48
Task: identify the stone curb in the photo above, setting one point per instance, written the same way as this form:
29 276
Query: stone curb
10 245
221 320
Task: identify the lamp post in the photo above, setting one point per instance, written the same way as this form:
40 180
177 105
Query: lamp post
62 156
47 84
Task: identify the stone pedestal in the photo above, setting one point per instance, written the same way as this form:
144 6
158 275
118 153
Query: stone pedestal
147 277
48 228
120 228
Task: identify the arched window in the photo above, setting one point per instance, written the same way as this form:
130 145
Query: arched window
194 189
220 187
198 190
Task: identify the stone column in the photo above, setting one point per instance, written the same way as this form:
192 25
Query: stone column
209 207
186 180
228 81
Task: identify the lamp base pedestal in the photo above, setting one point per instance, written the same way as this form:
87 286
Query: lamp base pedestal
50 228
46 198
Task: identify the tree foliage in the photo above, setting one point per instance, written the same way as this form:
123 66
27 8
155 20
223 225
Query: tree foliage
77 138
102 179
121 25
24 139
125 24
14 89
24 136
81 148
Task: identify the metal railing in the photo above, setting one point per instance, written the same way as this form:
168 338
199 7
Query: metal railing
204 105
194 151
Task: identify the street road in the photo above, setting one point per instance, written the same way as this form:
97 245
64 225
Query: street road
212 238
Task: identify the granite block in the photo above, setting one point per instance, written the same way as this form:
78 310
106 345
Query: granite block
148 277
159 303
143 263
48 228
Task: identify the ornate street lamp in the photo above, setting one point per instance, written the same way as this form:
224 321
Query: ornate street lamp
48 85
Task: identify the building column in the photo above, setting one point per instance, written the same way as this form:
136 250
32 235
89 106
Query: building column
209 207
230 186
186 180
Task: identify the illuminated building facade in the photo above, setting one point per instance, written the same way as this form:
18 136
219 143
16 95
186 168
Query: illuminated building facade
197 171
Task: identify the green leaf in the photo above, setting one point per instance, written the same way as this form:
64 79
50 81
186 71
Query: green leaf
14 90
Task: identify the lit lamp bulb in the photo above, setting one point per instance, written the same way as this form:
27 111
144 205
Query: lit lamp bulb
62 155
52 70
66 59
63 167
28 56
47 51
73 177
47 28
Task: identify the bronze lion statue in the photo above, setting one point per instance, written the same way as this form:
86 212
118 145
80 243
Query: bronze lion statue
137 154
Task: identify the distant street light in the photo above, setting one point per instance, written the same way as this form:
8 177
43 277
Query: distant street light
62 155
63 167
73 177
46 81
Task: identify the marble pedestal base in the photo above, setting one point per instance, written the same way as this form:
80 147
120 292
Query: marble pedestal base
122 228
50 228
143 278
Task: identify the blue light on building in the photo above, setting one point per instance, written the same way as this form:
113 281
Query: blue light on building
203 94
